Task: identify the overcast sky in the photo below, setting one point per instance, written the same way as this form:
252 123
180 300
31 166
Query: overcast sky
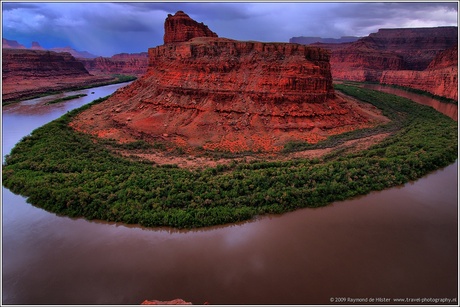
108 28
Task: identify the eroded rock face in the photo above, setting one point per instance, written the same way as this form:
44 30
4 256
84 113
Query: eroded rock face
416 46
181 28
128 64
222 94
440 78
36 63
389 49
444 59
27 72
403 57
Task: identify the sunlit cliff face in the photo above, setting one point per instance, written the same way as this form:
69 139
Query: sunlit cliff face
221 94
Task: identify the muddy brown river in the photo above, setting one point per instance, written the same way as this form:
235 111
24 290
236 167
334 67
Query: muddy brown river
401 243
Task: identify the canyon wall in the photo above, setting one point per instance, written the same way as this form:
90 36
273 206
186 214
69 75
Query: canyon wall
28 72
404 57
127 64
440 78
36 63
221 94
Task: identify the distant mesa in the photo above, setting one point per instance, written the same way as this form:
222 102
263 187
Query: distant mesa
401 56
202 91
123 63
75 53
28 72
306 40
439 78
36 46
12 44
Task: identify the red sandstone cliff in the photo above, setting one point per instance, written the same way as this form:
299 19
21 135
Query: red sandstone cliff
223 94
124 63
390 49
416 46
28 72
402 57
444 59
181 28
440 78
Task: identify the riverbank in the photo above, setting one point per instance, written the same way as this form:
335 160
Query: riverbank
30 89
72 174
404 88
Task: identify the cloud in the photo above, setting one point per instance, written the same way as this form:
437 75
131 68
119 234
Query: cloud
107 28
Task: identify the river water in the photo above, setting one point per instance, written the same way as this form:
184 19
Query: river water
397 243
448 109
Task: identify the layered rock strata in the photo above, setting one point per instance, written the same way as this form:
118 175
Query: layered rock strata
440 78
222 94
402 57
127 64
30 72
391 49
181 28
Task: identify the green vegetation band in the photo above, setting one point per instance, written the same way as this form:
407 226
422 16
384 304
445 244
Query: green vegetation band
70 173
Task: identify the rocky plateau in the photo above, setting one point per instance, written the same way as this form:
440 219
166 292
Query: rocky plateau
439 78
420 58
30 72
134 64
205 92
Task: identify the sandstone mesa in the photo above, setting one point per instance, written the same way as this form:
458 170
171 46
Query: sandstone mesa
29 72
201 91
129 64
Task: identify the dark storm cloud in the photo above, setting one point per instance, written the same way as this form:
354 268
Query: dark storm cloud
12 5
211 11
107 28
366 17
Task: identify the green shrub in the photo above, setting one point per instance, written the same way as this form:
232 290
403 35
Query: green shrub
71 173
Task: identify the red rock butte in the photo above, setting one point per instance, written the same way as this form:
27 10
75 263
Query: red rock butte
222 94
181 28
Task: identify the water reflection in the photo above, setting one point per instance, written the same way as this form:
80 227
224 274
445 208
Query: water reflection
401 242
20 119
